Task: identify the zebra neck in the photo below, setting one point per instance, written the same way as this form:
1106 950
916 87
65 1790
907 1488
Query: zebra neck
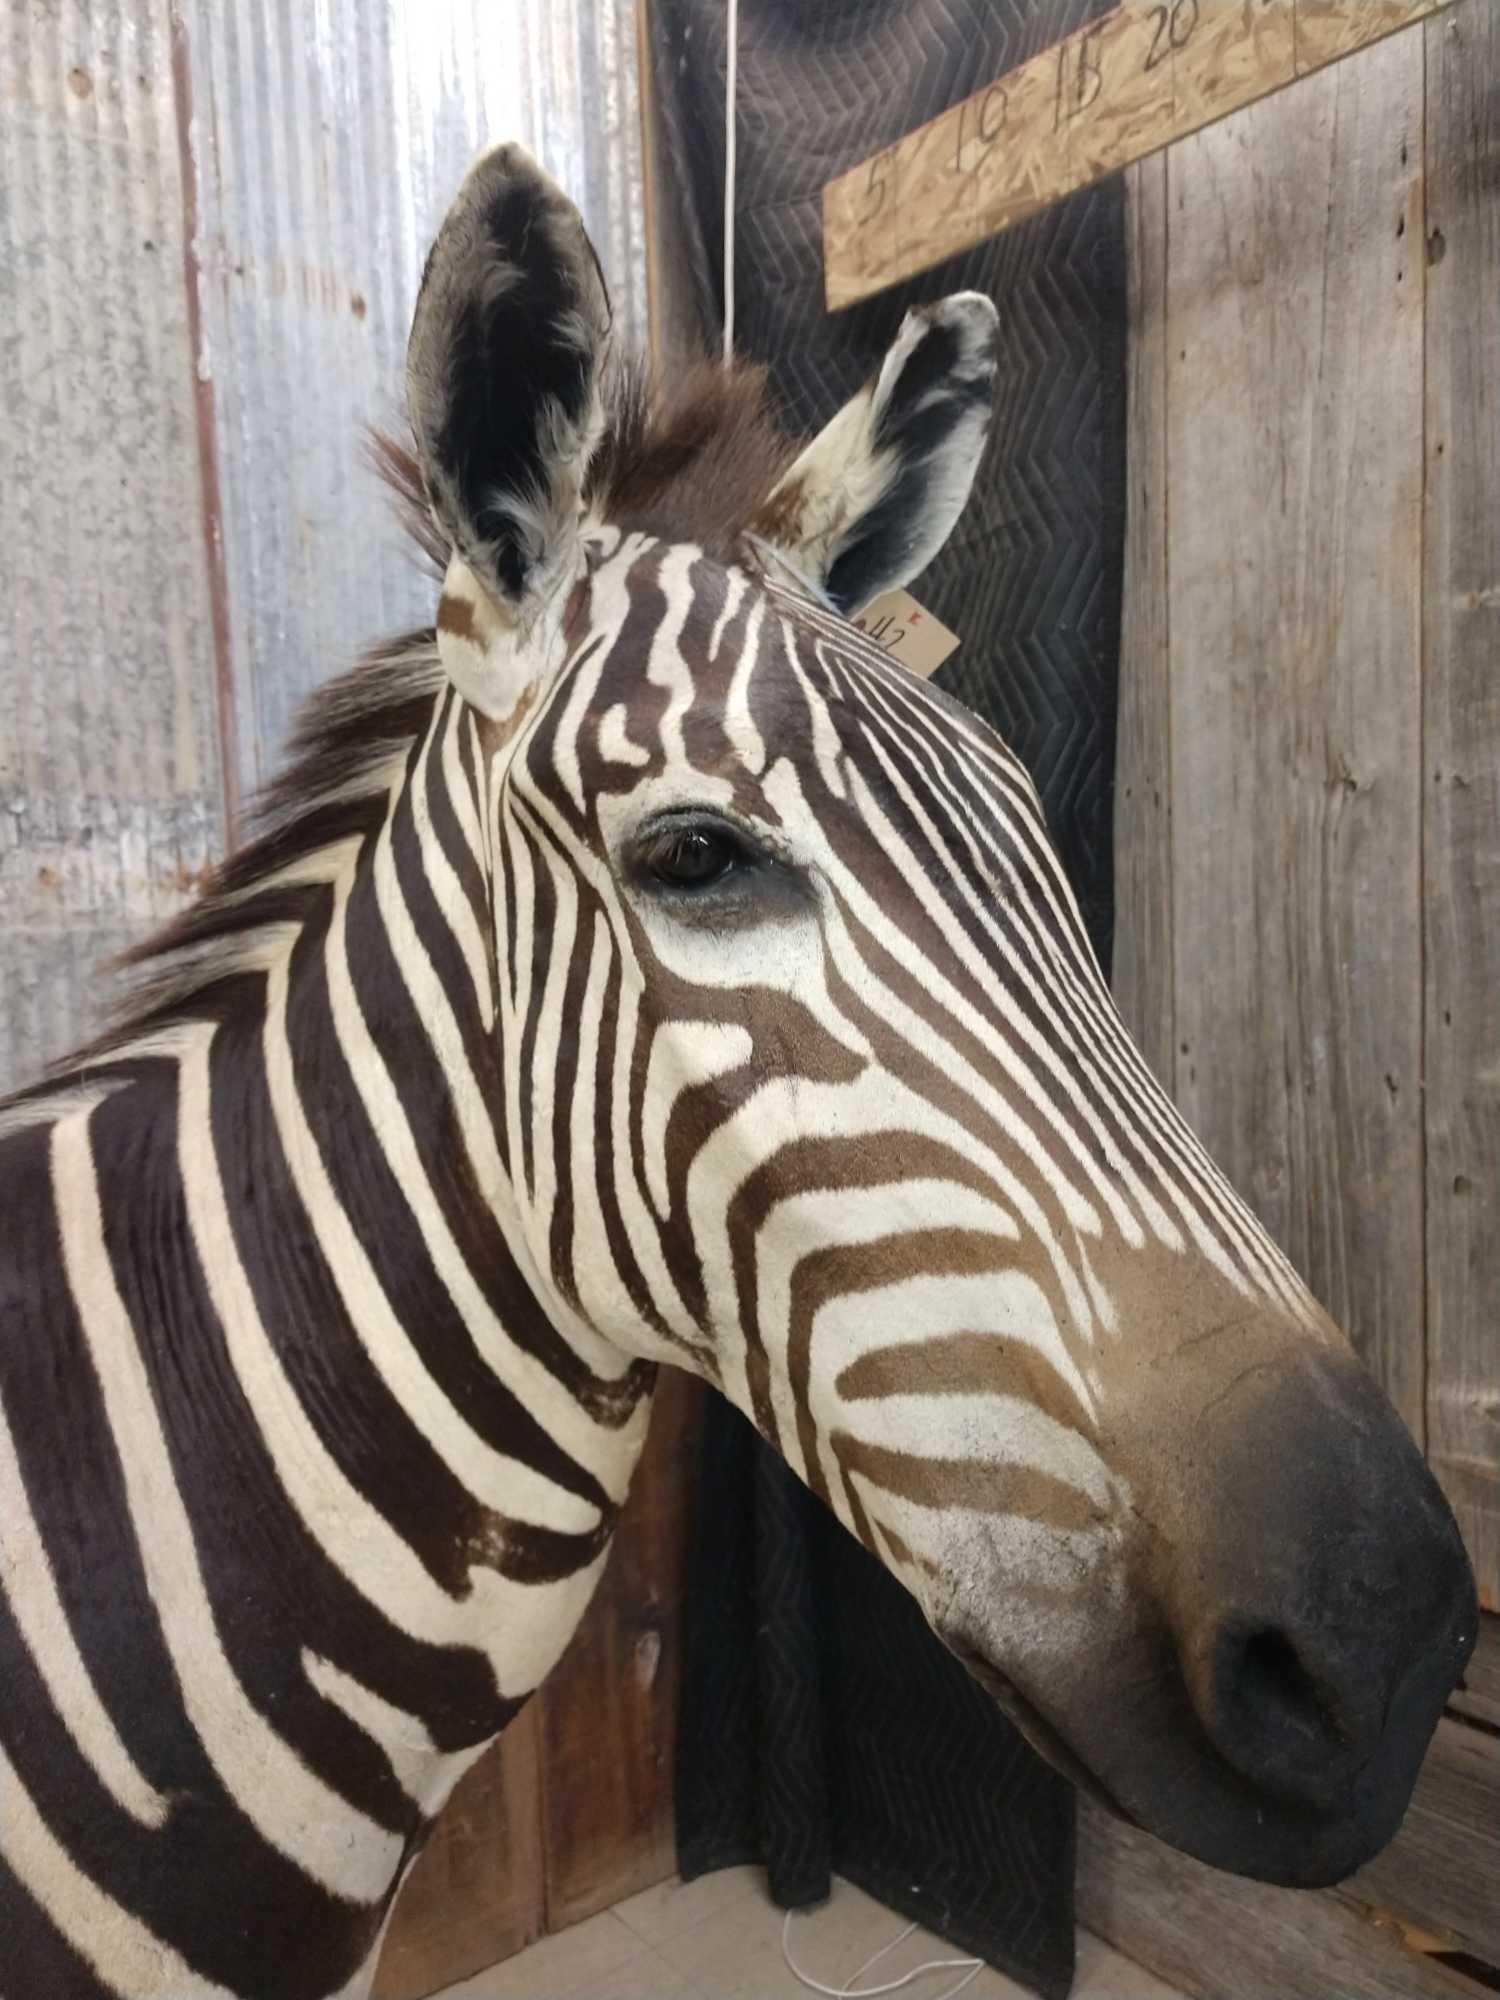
303 1488
511 1439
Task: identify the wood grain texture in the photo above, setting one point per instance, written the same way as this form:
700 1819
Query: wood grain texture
1142 973
476 1893
1461 770
1119 89
1216 1935
609 1711
1295 283
572 1810
1442 1870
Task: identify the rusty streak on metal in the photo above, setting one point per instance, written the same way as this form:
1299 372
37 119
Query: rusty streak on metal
211 505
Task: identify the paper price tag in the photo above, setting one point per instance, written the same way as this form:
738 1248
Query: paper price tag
908 633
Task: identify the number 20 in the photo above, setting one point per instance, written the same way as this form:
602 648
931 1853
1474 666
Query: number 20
1174 27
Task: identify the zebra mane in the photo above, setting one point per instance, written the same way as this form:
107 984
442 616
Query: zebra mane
685 463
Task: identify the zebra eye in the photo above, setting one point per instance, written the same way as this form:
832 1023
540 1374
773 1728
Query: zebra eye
691 854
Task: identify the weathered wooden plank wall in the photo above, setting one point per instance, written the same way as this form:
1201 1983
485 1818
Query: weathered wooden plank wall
1293 490
1313 595
1461 773
1308 838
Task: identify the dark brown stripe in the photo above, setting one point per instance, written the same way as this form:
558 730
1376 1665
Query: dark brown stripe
965 1364
983 1486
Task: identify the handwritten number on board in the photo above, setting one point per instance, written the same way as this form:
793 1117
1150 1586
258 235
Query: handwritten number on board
1079 77
992 109
1174 28
875 187
989 119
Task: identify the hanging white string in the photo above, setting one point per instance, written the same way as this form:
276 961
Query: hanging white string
731 90
851 1990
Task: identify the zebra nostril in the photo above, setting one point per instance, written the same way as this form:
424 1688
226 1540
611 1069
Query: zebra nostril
1286 1719
1274 1686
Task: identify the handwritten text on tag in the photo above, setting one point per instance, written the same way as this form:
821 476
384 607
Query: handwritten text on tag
909 634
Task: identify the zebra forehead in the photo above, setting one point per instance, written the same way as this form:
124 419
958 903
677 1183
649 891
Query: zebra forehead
737 641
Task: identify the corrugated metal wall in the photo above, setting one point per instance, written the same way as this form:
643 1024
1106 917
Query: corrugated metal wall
212 222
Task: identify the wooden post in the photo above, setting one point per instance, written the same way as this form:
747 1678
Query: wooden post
1461 776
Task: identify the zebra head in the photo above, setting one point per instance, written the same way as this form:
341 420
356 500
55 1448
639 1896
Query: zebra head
817 1089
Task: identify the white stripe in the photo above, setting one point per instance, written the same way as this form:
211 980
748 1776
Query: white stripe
506 1485
29 1586
405 1739
456 775
447 891
355 1536
594 1447
978 1427
683 1055
292 1809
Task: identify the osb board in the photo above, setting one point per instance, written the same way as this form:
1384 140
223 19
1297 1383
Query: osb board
1461 775
1116 91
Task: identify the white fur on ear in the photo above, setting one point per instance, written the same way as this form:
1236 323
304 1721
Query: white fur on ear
875 495
490 656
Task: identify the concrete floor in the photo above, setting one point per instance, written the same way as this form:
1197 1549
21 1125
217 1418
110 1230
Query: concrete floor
720 1939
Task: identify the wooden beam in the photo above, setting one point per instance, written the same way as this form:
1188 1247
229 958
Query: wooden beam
1119 89
1211 1933
1143 958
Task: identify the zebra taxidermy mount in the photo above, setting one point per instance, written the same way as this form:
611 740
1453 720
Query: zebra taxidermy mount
640 968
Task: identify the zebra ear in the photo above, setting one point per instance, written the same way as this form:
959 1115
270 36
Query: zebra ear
876 494
503 376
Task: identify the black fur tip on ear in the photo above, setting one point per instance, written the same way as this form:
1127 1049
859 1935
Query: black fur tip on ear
940 366
929 415
503 367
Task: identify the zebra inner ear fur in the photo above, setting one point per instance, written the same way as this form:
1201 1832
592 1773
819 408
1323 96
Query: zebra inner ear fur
876 494
503 383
